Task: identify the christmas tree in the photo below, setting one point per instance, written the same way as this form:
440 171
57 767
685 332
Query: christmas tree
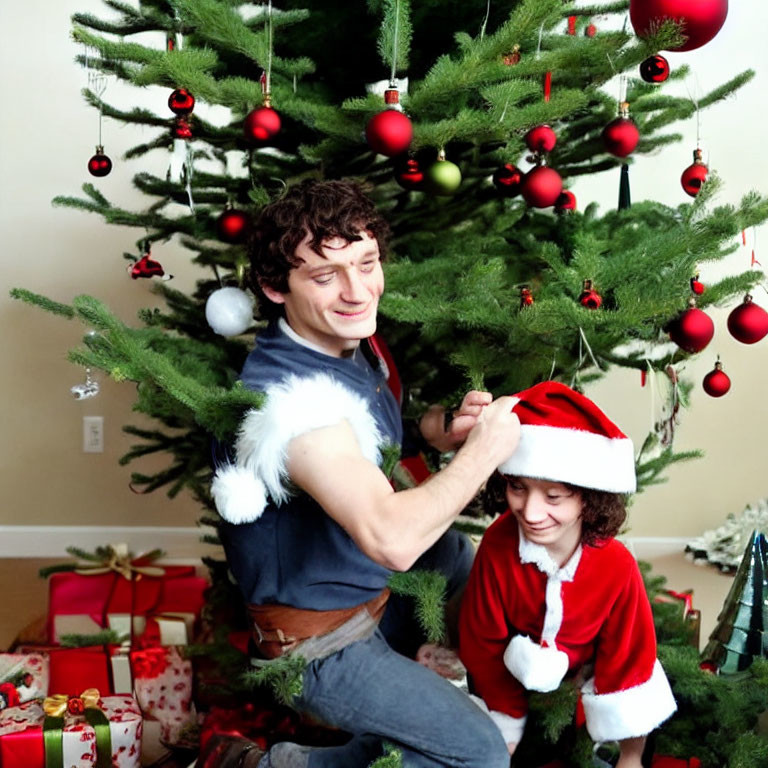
486 286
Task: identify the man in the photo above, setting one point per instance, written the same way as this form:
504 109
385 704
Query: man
314 529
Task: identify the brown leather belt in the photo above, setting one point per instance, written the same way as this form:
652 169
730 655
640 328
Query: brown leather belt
278 628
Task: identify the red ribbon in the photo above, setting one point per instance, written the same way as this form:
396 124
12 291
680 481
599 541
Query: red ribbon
547 85
685 597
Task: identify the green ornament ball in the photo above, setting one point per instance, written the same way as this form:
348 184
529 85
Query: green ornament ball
442 178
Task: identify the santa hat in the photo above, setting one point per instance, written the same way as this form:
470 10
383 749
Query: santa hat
566 438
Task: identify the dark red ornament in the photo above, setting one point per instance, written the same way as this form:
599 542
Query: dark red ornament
565 202
261 125
181 102
9 696
181 128
99 164
748 323
389 133
694 175
526 297
655 69
541 139
620 136
697 287
590 30
590 298
701 19
508 179
146 267
693 330
232 226
716 383
409 174
541 186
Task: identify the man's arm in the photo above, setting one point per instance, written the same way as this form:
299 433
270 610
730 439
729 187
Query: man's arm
394 529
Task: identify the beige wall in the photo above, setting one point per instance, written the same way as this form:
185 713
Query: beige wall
46 136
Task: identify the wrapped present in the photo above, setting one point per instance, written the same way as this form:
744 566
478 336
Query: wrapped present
76 732
663 761
23 677
120 593
162 682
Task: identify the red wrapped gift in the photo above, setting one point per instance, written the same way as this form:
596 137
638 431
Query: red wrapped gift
86 604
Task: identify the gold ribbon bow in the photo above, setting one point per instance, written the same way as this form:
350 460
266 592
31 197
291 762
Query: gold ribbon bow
119 560
56 705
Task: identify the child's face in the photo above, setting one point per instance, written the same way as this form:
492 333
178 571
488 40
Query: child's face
549 513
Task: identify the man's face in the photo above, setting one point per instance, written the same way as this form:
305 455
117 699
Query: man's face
332 299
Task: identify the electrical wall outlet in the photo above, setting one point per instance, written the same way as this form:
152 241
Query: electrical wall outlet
93 434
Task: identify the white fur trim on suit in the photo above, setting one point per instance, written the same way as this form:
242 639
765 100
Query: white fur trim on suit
511 727
631 712
293 407
573 456
536 667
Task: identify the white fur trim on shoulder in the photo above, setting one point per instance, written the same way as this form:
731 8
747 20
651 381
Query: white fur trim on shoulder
239 494
511 727
293 407
629 713
537 668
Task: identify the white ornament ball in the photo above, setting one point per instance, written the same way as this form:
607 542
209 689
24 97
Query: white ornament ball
229 311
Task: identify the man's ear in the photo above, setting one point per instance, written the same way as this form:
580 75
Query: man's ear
274 296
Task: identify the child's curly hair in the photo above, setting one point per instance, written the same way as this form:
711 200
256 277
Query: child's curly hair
325 209
603 513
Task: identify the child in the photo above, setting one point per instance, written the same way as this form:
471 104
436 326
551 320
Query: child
551 592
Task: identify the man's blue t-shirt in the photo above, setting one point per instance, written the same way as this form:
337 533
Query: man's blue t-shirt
295 554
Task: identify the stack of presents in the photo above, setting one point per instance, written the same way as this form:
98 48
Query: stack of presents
112 681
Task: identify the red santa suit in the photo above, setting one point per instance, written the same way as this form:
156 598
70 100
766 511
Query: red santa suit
526 623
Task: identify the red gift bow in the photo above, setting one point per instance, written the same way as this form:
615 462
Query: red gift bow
9 696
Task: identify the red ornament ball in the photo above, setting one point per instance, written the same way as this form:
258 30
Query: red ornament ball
701 19
748 323
696 286
181 102
565 202
590 298
508 180
261 125
541 187
182 129
590 30
655 69
409 175
146 267
693 330
389 133
232 226
716 383
541 139
620 136
694 175
99 164
526 297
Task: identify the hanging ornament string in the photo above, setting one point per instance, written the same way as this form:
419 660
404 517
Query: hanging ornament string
267 82
754 261
393 68
547 74
589 349
485 20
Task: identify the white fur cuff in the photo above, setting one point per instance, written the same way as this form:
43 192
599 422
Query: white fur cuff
537 668
511 727
293 407
631 712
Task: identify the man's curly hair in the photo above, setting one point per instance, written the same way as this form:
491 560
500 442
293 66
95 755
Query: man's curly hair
603 513
325 209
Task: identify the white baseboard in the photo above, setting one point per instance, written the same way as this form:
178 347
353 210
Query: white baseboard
181 544
185 544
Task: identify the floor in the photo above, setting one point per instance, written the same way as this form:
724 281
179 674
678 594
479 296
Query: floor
24 596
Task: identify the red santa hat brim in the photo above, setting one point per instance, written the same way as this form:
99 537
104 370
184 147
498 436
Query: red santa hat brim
566 438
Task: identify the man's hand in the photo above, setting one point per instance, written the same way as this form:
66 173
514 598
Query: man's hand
432 424
511 747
